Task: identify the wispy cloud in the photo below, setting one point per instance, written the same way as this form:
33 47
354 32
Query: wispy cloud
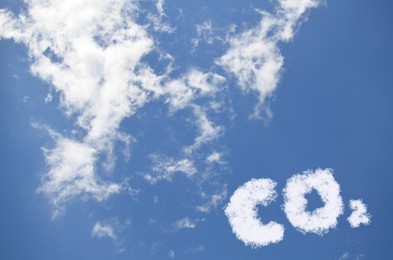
112 229
206 32
254 57
207 131
344 256
164 168
194 84
322 219
101 230
160 7
157 21
184 223
242 213
214 157
212 201
72 173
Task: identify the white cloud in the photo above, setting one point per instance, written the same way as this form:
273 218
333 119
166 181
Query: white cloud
184 223
242 213
100 230
48 98
212 201
322 219
90 52
254 57
157 21
72 174
164 168
359 214
214 157
204 83
9 27
207 131
160 7
181 92
114 230
205 32
178 94
344 256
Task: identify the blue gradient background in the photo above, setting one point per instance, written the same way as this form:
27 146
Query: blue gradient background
333 109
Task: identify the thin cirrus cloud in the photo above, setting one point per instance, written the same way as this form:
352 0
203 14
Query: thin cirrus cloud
93 55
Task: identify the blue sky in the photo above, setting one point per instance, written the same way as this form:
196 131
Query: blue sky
126 127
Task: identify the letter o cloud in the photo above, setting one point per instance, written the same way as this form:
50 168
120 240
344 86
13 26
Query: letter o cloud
322 219
242 213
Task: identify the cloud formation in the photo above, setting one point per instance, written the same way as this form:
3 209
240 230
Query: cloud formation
95 57
242 213
359 214
72 174
212 200
100 230
92 55
322 219
165 168
253 56
184 223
